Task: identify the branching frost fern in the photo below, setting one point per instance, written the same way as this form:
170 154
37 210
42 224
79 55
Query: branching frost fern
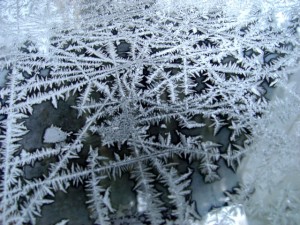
146 81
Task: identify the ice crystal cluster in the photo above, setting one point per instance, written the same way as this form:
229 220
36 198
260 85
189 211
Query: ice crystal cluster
153 84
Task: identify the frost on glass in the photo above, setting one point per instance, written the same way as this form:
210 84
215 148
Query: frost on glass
120 105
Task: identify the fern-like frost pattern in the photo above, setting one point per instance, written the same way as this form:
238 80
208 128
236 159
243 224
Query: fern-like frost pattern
146 83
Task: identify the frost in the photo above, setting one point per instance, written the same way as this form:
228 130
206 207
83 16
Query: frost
63 222
54 135
230 215
272 163
154 84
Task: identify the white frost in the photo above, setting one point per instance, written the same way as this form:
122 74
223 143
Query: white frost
54 135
